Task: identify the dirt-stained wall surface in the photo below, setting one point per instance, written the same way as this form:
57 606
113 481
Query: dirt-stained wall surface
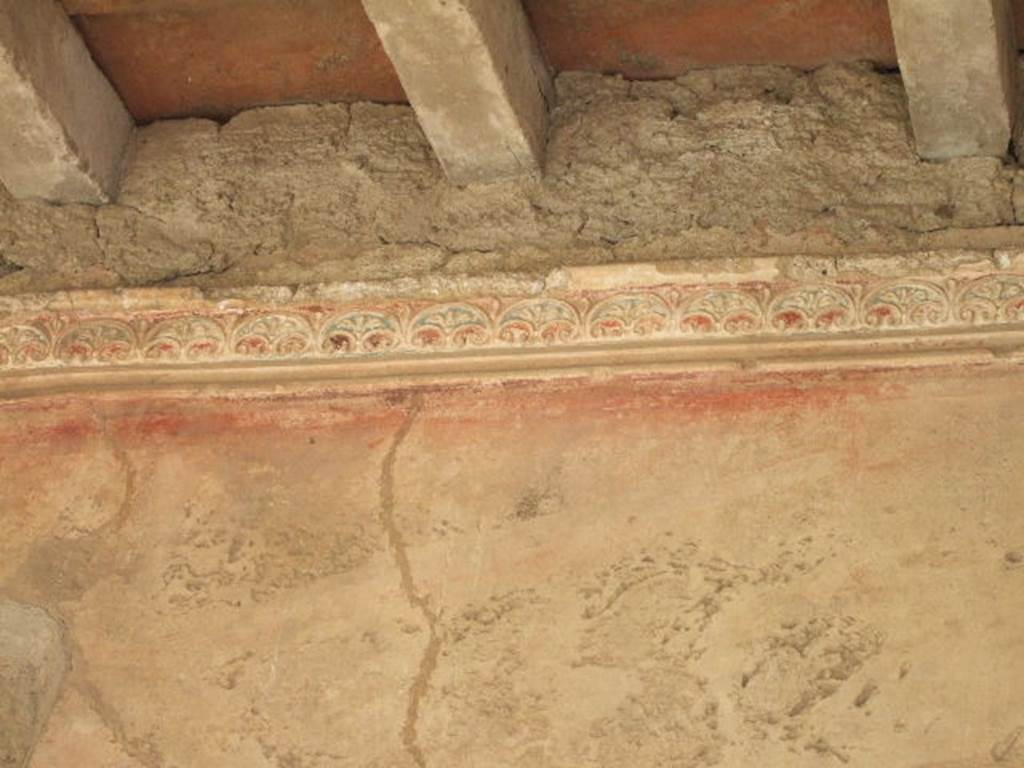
796 570
726 162
582 561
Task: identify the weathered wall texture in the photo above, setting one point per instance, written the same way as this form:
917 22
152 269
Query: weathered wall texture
33 662
729 162
748 570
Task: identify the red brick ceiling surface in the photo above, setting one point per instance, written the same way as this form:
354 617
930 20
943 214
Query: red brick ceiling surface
662 38
171 58
215 57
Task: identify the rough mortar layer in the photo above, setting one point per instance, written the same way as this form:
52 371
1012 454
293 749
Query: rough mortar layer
719 163
33 663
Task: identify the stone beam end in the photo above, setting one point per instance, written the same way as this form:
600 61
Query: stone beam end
63 128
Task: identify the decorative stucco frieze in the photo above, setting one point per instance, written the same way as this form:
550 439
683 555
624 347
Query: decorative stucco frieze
198 333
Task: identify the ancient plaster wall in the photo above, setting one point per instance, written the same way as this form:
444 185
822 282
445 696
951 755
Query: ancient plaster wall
741 569
729 162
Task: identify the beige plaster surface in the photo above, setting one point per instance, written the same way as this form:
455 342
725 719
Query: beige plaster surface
723 163
802 569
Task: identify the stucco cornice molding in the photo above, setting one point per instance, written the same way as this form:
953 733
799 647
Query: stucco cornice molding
635 315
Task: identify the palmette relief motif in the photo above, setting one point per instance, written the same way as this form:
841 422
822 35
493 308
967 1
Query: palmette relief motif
23 344
450 325
814 308
184 338
906 305
97 340
355 332
731 312
534 321
564 319
992 299
632 314
273 335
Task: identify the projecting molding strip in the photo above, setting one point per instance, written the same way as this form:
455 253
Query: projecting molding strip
585 315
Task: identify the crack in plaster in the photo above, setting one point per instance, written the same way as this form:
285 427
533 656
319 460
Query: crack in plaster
143 750
396 541
131 474
126 465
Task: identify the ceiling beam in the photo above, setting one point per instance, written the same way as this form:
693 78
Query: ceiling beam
958 59
63 129
475 75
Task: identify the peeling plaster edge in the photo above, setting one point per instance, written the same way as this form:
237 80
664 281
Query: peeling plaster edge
951 262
